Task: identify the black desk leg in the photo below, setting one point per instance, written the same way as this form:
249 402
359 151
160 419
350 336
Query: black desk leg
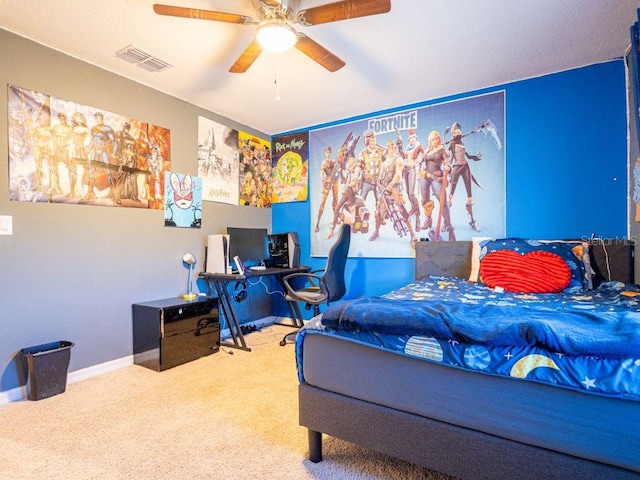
296 317
229 313
294 310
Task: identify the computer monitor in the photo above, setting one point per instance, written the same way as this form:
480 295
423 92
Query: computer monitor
250 244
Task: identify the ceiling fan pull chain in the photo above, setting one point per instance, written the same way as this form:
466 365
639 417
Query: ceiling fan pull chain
276 79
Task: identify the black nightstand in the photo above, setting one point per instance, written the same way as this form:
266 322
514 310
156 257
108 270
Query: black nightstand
170 332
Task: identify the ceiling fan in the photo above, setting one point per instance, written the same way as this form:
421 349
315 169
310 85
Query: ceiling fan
277 17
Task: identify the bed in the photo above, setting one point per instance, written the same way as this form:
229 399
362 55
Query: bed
559 413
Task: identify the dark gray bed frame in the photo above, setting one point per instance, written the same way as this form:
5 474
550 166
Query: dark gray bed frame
444 447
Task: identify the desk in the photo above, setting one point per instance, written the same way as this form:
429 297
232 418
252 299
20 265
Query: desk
220 283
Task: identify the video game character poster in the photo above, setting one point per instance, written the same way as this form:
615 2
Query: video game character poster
255 171
218 161
183 201
635 68
289 168
64 152
435 172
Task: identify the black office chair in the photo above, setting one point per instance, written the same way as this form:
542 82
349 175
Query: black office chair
320 286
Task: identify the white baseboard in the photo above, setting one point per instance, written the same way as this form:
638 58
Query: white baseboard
13 395
99 369
20 393
260 323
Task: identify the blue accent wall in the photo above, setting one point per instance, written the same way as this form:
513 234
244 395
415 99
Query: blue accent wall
566 168
567 154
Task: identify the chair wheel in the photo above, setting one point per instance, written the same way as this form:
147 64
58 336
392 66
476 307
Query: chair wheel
283 343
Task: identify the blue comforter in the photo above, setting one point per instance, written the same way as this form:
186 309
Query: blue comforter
606 332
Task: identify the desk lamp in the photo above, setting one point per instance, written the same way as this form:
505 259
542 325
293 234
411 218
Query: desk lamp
190 261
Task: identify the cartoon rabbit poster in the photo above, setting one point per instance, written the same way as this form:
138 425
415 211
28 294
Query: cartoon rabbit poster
183 201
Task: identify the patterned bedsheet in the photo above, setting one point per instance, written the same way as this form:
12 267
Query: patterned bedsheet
586 373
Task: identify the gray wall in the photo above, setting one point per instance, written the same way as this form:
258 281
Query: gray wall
71 272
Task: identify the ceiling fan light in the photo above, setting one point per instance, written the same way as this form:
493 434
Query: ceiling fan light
276 37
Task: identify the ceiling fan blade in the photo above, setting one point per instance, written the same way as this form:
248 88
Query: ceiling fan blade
318 53
344 10
246 58
202 14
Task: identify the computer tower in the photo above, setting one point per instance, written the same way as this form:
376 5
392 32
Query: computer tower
293 245
284 250
217 254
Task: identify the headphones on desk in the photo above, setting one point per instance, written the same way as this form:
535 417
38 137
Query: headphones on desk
239 292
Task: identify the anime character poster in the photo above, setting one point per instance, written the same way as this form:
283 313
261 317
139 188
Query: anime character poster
64 152
218 161
289 168
183 201
255 171
435 172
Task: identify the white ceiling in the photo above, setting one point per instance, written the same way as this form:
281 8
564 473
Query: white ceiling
421 50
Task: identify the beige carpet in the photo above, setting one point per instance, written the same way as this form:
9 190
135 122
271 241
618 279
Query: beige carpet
220 417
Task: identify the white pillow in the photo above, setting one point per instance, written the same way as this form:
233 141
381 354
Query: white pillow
475 257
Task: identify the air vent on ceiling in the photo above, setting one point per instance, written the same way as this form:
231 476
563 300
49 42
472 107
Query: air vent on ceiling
146 60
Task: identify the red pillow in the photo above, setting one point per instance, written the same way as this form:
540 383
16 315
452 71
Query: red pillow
536 272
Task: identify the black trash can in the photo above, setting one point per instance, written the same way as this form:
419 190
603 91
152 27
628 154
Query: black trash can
47 367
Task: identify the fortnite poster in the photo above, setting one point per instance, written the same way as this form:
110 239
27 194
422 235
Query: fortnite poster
255 171
435 172
183 201
65 152
218 161
289 168
635 60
